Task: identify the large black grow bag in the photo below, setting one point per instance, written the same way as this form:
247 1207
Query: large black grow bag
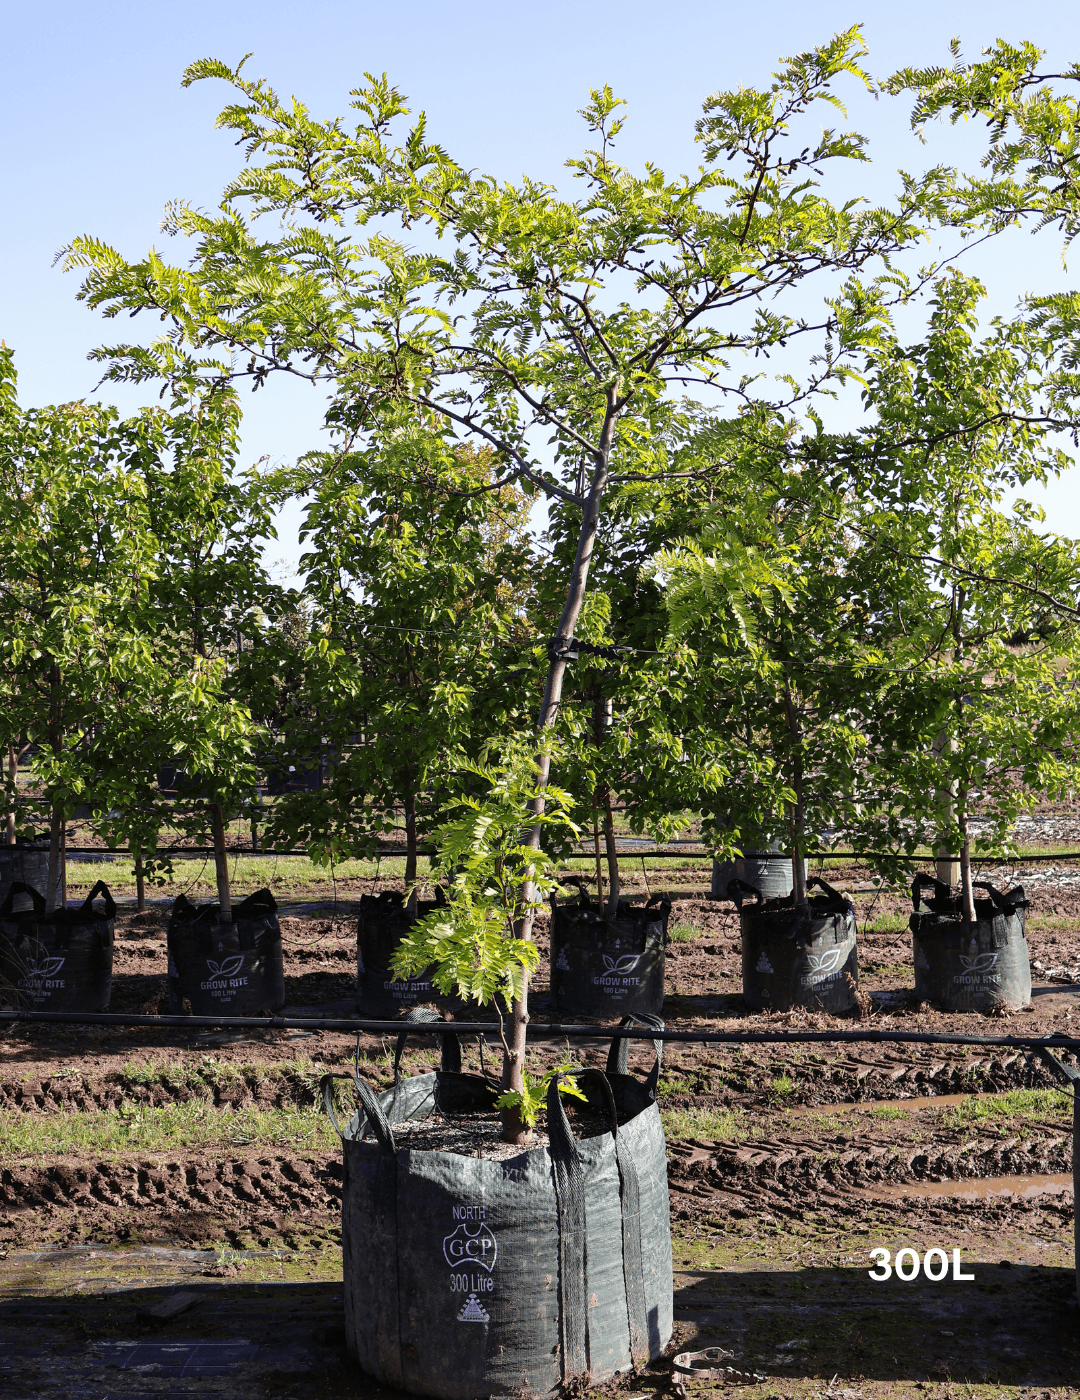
769 872
25 863
225 969
466 1277
382 924
602 966
795 956
970 967
59 962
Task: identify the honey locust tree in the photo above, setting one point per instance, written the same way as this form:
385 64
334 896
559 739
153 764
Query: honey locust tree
558 327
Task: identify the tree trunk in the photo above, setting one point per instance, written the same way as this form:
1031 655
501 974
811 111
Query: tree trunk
56 817
63 865
612 858
13 774
599 862
221 861
601 724
140 882
967 892
514 1127
53 879
946 864
410 853
798 821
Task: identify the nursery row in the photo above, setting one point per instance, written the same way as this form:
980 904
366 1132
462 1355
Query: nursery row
600 965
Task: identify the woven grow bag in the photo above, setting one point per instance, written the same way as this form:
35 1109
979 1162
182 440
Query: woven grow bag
382 923
794 956
768 871
602 966
970 967
57 962
466 1277
225 969
25 863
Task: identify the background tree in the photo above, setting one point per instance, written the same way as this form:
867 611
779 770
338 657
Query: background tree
418 580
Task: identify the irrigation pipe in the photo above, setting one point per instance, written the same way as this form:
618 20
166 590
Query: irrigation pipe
542 1031
389 851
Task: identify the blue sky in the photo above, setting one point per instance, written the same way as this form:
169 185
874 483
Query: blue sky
99 134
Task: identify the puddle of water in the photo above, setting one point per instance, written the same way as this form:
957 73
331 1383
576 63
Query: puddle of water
933 1101
982 1188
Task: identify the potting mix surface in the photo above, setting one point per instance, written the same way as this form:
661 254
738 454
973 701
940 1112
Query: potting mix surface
170 1200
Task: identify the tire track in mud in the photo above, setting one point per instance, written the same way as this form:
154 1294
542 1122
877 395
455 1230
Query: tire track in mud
749 1082
192 1197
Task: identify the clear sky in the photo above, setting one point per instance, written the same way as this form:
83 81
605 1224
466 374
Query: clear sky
99 134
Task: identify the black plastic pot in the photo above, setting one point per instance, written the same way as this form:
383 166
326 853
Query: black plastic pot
382 924
769 872
25 863
970 967
62 962
795 956
603 967
225 969
467 1277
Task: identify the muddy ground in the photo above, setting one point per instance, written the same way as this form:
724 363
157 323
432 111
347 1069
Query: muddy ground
142 1165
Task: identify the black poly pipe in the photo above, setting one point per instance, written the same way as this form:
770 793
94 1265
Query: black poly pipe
542 1031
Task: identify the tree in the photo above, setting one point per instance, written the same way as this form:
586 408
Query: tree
986 720
115 566
892 654
555 330
417 578
75 554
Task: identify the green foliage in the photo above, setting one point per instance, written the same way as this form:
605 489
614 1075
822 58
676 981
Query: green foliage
533 1096
493 880
128 553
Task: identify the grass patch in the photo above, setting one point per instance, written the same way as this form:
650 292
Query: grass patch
1034 1104
683 933
282 875
886 923
139 1128
887 1112
781 1087
711 1124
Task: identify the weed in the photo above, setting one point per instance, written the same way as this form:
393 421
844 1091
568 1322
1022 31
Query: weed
146 1075
710 1124
1038 1104
683 933
781 1088
888 1111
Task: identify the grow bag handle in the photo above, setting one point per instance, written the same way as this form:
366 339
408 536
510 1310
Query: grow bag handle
1004 902
86 909
370 1104
735 888
18 887
620 1046
570 1200
941 890
824 885
261 904
451 1046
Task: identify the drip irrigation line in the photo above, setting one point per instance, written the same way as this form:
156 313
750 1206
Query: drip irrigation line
666 854
538 1030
